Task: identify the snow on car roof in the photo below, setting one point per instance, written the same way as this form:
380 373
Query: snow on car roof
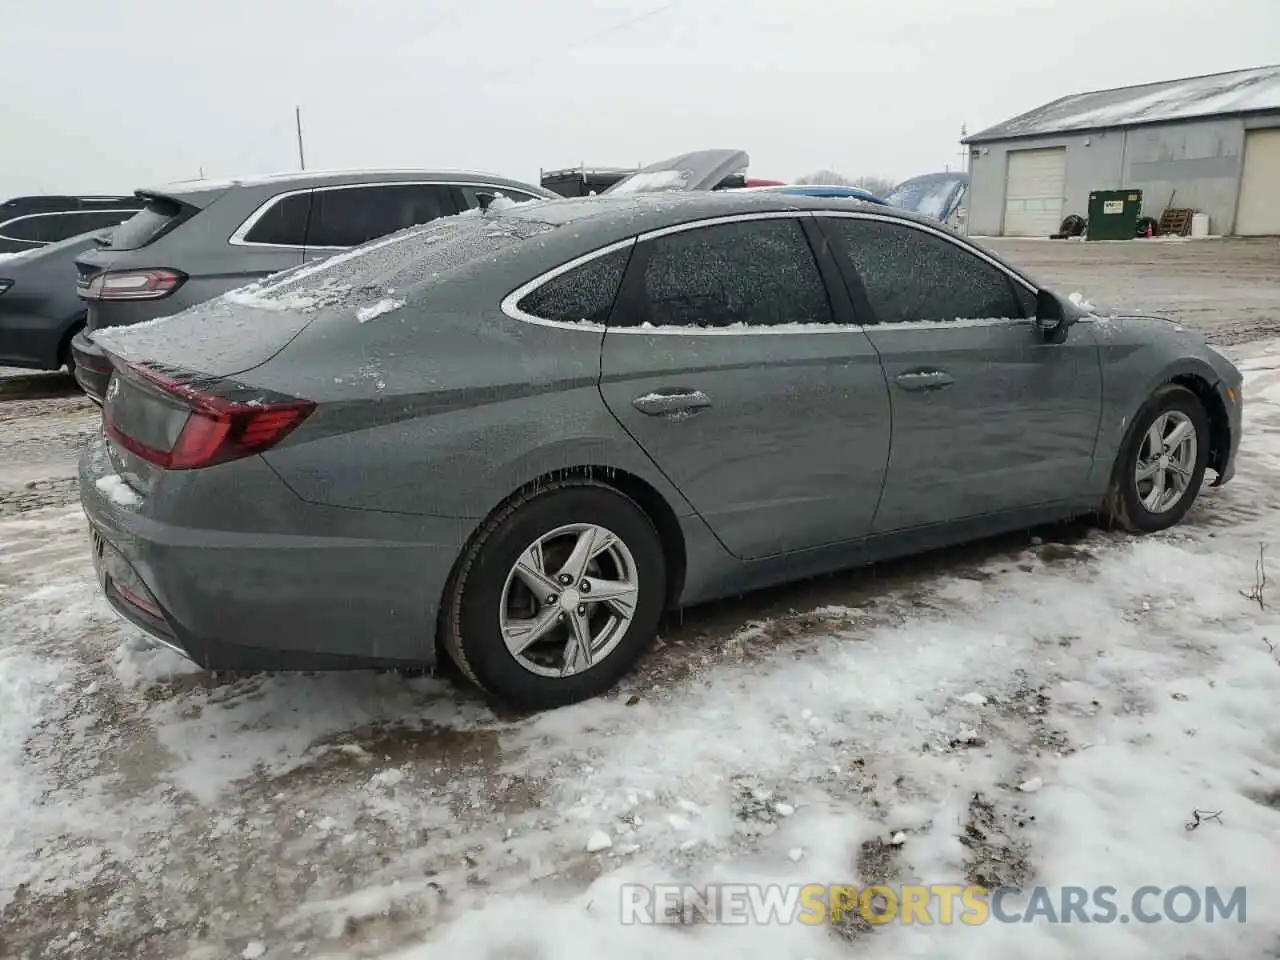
1240 91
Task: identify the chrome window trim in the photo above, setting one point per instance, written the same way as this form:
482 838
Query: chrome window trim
510 308
510 303
237 239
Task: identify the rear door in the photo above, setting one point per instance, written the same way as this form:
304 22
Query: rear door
724 361
347 216
987 416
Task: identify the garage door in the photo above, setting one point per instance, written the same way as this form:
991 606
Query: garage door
1034 192
1259 211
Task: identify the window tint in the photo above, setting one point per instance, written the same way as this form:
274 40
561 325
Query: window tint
356 215
757 273
469 194
584 294
911 275
284 222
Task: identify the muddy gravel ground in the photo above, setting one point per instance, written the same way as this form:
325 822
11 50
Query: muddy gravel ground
1230 289
159 811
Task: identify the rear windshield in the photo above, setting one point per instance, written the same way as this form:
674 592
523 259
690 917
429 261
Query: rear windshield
388 265
927 196
147 224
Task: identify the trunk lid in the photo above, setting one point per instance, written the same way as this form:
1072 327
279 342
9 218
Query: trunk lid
222 337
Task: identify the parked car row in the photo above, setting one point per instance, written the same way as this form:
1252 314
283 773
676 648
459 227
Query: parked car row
186 242
514 437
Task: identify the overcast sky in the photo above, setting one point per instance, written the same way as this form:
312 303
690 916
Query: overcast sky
98 97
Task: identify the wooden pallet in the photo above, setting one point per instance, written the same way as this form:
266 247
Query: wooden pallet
1176 222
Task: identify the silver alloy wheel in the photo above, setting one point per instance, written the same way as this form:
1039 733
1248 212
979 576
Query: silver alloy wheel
1166 461
569 600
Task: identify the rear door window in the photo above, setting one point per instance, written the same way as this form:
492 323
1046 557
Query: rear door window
284 223
471 195
23 228
65 226
757 273
350 216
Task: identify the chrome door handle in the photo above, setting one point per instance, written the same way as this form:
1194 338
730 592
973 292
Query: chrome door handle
924 380
674 404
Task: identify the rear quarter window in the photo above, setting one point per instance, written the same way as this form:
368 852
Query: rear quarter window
584 294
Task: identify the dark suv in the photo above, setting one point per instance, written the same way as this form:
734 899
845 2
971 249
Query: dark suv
196 240
28 223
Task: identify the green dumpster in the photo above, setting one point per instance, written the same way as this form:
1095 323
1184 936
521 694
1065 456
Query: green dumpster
1113 214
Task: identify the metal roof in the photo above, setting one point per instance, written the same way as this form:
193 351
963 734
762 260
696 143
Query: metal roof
1216 95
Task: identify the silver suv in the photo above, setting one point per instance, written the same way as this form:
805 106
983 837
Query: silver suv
196 240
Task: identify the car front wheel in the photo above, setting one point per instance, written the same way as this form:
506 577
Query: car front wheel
1161 465
557 596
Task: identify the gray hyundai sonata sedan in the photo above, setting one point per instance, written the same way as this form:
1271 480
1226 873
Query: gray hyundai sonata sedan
519 435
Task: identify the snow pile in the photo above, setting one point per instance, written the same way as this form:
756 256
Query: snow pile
381 308
116 489
1074 712
1081 301
656 181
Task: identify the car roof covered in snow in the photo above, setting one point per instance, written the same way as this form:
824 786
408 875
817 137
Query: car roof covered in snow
1219 94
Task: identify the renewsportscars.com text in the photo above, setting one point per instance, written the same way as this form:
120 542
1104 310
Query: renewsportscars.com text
943 904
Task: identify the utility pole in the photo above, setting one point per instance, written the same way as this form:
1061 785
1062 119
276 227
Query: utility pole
964 148
297 117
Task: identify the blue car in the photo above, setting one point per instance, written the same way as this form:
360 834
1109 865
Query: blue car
824 190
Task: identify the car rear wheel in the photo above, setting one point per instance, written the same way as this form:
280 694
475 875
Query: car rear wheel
1161 465
557 596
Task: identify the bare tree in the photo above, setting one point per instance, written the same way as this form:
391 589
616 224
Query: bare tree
880 186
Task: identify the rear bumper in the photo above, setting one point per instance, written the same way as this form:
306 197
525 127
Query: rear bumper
91 366
349 590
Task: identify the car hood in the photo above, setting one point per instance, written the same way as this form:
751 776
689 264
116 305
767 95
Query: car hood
699 170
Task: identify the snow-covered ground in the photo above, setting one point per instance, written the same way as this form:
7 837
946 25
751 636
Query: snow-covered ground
1040 710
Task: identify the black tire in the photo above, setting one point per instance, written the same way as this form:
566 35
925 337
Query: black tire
1124 505
470 626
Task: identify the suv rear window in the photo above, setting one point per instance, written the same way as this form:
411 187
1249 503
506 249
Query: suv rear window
148 223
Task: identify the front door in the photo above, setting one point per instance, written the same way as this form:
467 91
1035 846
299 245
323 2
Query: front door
724 364
987 416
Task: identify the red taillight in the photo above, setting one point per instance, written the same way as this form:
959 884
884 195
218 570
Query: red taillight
226 420
134 285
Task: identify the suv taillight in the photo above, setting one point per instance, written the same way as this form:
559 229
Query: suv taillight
178 420
133 285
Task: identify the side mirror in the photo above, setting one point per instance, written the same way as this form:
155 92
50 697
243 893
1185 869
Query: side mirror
1052 317
484 200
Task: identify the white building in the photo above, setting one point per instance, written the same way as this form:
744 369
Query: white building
1209 143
